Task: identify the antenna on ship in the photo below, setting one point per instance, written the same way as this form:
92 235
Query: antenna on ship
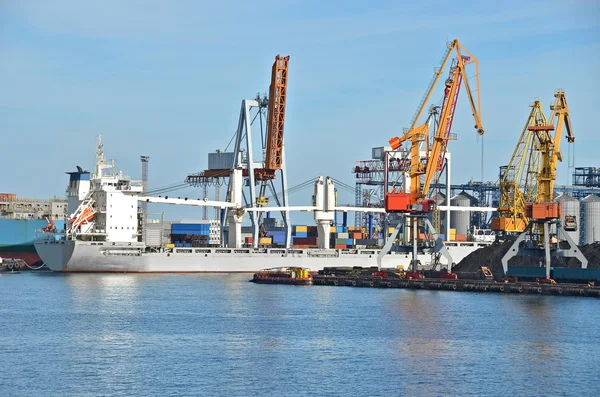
99 157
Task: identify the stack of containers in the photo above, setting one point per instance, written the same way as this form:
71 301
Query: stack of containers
358 238
304 236
190 234
339 239
277 233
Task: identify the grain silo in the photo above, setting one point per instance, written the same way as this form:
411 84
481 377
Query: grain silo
570 208
591 219
460 220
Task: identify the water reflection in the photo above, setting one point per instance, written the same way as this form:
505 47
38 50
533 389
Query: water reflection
103 333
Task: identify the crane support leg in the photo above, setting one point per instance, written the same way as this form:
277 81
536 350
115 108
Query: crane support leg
514 248
439 244
519 249
547 248
390 241
573 251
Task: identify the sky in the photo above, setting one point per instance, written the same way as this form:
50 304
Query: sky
165 79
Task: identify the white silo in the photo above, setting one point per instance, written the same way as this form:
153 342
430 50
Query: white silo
460 220
591 219
570 207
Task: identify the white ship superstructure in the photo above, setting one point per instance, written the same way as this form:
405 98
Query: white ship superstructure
103 233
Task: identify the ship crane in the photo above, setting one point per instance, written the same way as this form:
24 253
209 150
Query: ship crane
415 205
544 211
256 176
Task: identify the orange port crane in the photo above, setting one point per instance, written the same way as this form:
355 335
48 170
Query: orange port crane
275 120
415 201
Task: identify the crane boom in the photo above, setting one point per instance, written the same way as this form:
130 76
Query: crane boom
449 101
518 183
550 146
275 120
436 75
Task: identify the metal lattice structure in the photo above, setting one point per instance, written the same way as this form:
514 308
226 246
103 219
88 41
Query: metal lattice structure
587 176
275 124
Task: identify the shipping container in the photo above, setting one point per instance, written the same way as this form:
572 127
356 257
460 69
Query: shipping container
305 240
191 228
461 237
153 234
265 240
366 241
220 161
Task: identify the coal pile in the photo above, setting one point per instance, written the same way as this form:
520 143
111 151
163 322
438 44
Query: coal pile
491 257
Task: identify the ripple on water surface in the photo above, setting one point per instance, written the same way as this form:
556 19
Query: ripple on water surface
203 335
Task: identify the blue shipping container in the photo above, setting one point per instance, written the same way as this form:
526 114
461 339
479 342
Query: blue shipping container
190 228
279 239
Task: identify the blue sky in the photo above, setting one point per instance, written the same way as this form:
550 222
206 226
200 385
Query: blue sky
165 79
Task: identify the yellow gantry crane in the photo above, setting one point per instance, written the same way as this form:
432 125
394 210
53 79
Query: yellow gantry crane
542 212
518 183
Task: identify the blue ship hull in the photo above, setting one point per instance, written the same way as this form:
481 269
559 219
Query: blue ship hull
17 237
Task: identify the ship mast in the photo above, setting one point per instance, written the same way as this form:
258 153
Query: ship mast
101 160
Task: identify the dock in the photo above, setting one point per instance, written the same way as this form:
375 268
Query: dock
583 290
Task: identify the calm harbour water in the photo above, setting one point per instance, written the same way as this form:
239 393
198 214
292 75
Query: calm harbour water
219 335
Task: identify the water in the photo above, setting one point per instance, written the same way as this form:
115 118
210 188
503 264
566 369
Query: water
218 335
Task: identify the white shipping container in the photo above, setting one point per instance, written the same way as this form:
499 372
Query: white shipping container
220 161
153 237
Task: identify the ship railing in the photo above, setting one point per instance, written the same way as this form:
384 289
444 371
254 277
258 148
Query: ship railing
53 236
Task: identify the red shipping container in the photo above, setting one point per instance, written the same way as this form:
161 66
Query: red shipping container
305 241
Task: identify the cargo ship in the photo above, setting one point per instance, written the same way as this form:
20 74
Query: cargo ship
107 231
22 218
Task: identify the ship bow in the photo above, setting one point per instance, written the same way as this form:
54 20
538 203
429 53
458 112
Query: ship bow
55 254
